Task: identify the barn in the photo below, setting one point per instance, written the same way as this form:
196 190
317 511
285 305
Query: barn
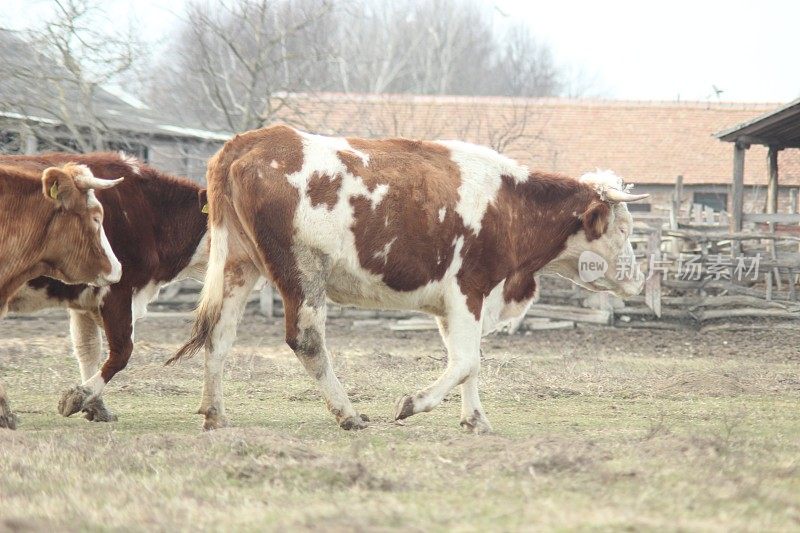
35 117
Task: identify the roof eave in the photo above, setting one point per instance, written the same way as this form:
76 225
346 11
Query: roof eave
749 131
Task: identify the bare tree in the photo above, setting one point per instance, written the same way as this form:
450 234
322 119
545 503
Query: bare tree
525 67
56 71
232 59
233 62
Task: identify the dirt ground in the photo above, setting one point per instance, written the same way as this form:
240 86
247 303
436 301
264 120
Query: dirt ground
594 428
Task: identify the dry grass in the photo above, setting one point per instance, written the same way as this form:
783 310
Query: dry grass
595 428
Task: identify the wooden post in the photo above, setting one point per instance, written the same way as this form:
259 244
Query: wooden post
772 204
793 201
677 199
266 300
737 192
652 287
772 186
31 143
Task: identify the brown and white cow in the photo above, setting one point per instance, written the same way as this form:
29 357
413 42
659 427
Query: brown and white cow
60 235
156 227
448 228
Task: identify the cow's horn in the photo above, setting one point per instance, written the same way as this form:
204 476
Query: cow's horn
90 182
616 196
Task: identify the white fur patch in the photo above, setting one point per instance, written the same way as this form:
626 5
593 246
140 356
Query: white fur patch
496 312
85 172
116 266
131 161
602 180
196 269
442 214
481 176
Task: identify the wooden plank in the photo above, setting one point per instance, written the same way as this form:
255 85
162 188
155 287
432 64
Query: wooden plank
576 314
775 218
697 214
697 302
715 235
708 215
528 325
745 312
649 324
414 324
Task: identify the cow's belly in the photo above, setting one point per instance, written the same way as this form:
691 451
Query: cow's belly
362 289
31 300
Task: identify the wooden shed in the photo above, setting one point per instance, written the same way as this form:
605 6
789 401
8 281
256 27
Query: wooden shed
777 130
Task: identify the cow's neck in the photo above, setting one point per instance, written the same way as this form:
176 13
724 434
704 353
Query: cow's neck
181 225
546 214
21 246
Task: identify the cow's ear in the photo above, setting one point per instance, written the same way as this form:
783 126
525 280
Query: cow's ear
59 187
202 199
595 220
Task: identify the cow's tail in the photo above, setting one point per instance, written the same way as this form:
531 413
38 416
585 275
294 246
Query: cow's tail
209 310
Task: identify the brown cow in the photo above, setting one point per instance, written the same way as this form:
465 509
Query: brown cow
60 236
448 228
157 229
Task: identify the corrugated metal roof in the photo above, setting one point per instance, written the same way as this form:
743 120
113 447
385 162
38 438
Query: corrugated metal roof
115 107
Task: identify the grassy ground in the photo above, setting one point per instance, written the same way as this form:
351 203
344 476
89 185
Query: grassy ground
594 428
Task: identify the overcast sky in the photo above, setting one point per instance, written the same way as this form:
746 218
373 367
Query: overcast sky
630 49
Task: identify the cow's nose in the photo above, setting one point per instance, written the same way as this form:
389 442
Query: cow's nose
112 277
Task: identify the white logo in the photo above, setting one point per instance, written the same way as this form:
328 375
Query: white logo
591 266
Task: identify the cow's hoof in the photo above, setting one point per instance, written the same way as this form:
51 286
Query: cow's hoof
404 407
476 423
73 400
7 418
95 411
213 420
354 422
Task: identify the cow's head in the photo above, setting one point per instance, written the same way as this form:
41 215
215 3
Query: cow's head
600 256
77 249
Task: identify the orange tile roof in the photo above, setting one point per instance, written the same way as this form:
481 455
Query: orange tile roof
645 142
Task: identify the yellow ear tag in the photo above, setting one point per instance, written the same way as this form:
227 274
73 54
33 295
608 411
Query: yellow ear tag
205 208
54 191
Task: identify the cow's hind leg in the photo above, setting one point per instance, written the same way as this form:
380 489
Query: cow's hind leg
240 277
306 311
461 333
7 418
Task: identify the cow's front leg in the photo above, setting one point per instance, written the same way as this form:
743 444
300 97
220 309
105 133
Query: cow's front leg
239 279
118 324
461 333
7 418
88 349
